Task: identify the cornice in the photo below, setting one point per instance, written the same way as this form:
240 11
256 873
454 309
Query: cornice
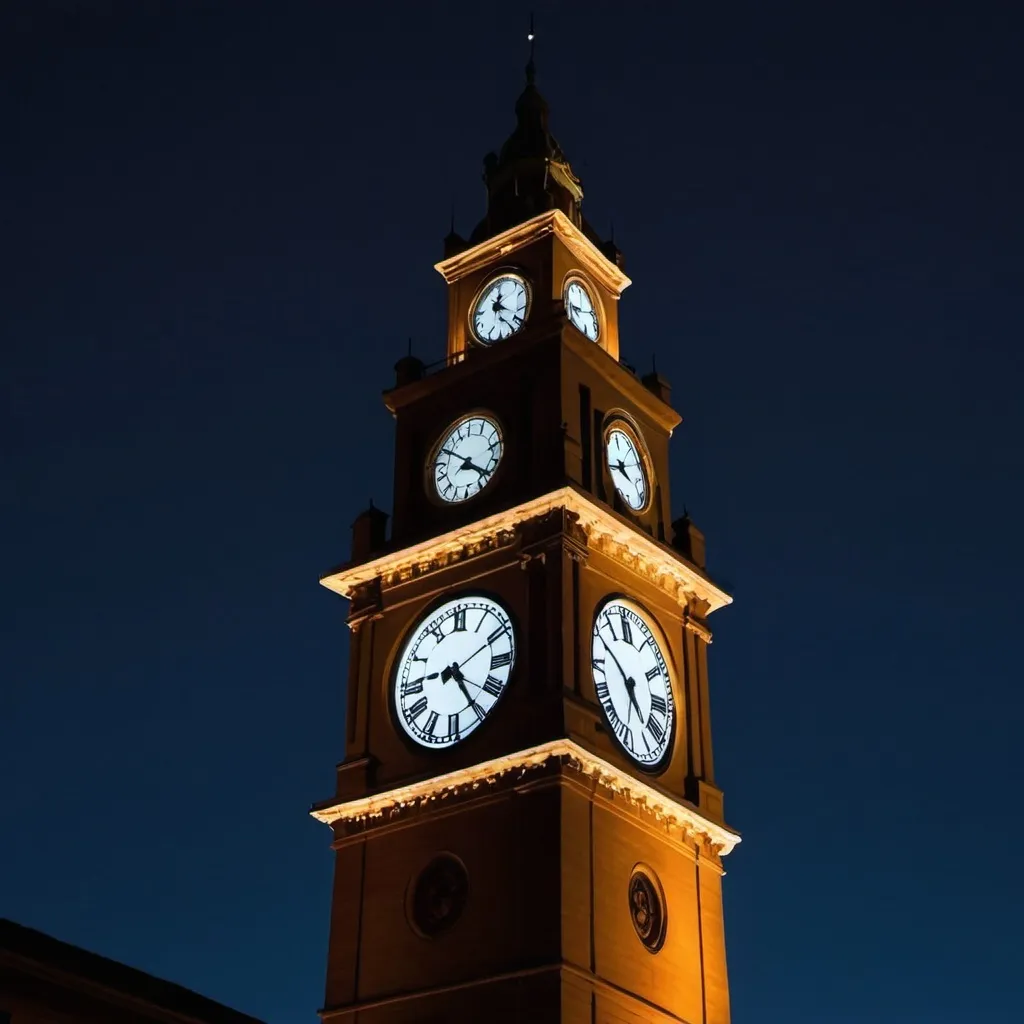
605 775
603 530
612 370
698 628
591 259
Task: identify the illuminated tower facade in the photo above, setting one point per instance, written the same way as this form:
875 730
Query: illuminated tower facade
526 821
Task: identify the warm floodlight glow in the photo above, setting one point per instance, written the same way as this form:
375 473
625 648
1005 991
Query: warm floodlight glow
591 260
610 778
604 531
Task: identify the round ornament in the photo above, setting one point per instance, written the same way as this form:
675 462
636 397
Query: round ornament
647 909
438 895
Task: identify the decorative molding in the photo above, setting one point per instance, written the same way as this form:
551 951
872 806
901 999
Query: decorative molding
604 531
694 626
554 222
672 812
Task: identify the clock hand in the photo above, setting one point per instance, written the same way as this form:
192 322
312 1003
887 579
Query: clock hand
470 464
466 661
448 451
461 680
622 469
465 692
616 660
631 690
629 681
452 671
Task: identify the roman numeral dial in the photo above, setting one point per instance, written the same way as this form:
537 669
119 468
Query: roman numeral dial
581 309
465 459
500 309
632 682
452 670
625 457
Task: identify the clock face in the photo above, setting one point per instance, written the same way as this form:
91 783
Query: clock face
466 458
626 466
452 670
501 308
581 309
632 682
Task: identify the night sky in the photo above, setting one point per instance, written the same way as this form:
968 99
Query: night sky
218 224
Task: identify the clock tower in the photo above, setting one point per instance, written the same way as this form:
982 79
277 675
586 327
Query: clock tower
526 823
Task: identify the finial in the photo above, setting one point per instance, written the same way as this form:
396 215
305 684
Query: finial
611 231
371 503
451 230
531 37
654 362
409 349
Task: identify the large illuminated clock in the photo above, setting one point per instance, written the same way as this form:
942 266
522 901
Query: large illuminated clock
453 669
632 682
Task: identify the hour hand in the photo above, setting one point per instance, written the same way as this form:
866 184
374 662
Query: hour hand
631 690
461 680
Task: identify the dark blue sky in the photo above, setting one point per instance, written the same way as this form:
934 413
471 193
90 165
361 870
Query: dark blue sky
217 228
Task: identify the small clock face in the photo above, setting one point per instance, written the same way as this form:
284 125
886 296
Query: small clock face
581 309
501 308
632 682
465 460
453 669
626 465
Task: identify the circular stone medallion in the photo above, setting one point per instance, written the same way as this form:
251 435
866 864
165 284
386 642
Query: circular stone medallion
647 908
438 895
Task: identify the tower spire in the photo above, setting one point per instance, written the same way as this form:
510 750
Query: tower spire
529 174
531 69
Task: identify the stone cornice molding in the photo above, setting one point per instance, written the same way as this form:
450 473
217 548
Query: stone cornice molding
698 628
606 776
554 222
605 532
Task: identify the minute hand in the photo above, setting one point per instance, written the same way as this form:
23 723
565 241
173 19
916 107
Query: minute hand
461 680
629 682
616 660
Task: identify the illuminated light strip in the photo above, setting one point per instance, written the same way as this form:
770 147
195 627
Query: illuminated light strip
553 222
605 532
638 793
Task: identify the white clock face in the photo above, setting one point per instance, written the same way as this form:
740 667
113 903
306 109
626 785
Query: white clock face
632 682
581 310
453 669
501 309
626 466
466 458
